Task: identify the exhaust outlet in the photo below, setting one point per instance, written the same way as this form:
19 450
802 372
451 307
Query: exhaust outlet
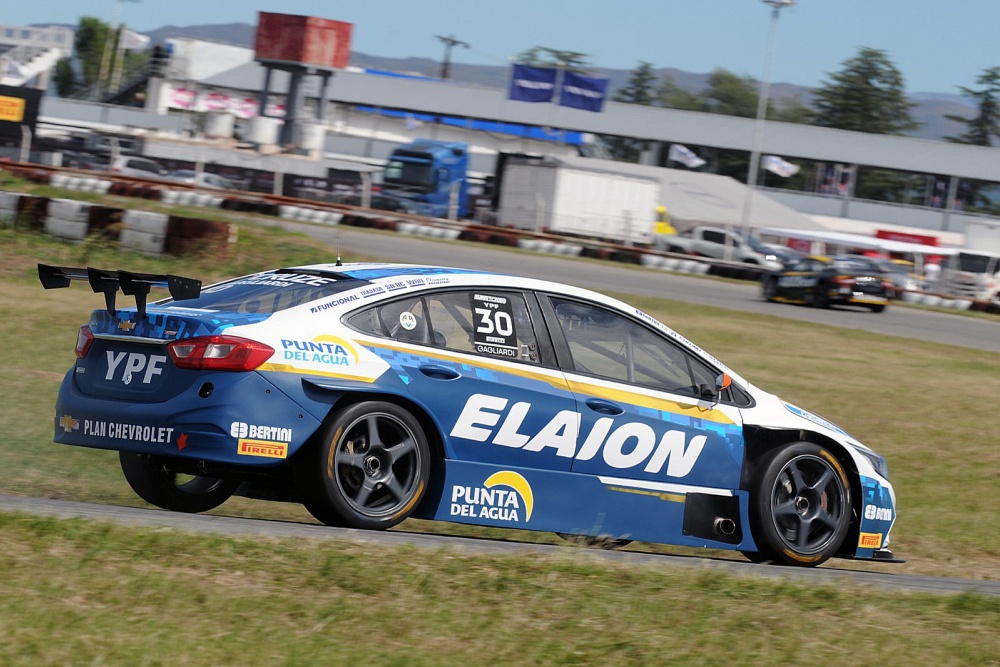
725 526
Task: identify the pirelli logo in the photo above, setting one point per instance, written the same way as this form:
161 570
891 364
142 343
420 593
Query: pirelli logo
265 448
870 540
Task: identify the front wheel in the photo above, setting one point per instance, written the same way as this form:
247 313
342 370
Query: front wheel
153 480
800 504
374 465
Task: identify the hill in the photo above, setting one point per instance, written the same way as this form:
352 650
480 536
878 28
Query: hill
930 108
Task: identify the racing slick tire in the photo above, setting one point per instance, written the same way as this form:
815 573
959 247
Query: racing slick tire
800 505
154 481
373 467
769 289
595 541
877 308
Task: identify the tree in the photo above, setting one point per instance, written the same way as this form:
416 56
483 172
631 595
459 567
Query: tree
792 110
985 126
672 96
90 43
732 95
867 95
542 56
64 78
640 90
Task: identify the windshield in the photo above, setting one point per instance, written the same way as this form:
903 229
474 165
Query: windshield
400 172
976 263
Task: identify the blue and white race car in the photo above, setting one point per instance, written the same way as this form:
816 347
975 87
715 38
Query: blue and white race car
371 393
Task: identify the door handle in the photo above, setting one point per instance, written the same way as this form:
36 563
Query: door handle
439 372
603 407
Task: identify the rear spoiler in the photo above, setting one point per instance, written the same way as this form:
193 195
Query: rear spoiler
131 284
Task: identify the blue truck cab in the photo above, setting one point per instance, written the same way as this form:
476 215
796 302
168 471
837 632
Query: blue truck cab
429 177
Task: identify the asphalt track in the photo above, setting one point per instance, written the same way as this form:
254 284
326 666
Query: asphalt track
981 333
352 244
833 573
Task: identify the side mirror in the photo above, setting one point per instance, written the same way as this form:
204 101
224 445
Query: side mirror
722 383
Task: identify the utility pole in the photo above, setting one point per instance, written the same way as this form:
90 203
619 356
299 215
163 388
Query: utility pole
449 42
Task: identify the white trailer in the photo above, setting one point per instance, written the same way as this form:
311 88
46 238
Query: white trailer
583 197
974 272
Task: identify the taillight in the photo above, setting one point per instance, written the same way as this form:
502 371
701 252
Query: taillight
219 353
84 339
844 281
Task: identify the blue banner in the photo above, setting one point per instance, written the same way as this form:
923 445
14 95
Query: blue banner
532 84
582 92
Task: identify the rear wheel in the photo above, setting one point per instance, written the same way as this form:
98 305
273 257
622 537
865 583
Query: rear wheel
800 505
373 467
877 308
821 296
153 480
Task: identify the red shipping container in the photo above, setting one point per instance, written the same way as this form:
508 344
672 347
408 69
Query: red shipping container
307 40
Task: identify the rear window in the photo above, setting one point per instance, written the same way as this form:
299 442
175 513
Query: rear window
267 292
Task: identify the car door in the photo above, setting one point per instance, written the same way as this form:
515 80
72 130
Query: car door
472 359
798 282
648 408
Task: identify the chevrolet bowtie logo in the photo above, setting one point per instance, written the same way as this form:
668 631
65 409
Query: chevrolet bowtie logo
68 423
126 326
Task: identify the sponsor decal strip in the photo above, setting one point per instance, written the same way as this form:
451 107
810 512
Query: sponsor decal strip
662 487
669 497
286 368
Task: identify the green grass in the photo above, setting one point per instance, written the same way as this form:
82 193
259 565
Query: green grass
92 593
76 592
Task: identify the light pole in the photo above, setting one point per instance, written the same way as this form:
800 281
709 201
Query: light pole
758 129
449 42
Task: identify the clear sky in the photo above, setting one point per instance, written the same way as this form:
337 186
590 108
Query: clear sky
938 45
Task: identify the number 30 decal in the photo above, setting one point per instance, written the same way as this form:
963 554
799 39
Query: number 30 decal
494 321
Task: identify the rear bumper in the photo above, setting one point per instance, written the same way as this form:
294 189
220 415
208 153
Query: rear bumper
244 420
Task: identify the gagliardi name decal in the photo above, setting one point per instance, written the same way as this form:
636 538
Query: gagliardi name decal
504 496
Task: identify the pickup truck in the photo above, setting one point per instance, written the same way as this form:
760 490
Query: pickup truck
719 243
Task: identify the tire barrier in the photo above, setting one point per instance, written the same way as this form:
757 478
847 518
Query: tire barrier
144 231
308 214
80 183
190 198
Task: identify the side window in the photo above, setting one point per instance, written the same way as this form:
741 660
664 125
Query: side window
484 322
714 237
611 346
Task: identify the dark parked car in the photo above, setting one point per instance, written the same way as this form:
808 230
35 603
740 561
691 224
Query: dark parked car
826 281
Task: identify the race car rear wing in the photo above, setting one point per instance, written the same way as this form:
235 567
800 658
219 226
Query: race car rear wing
131 284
